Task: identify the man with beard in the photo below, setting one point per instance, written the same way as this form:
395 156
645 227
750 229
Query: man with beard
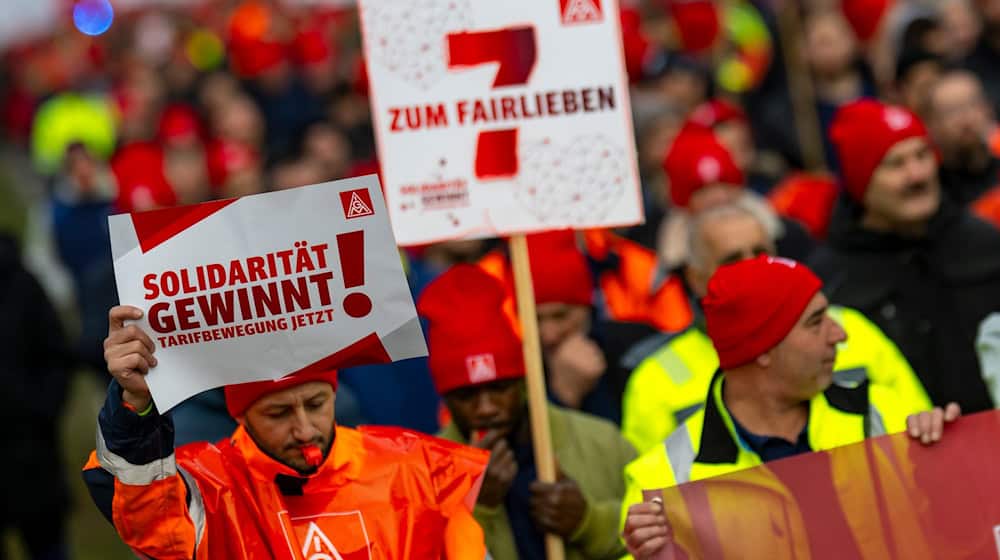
288 484
918 265
960 120
477 364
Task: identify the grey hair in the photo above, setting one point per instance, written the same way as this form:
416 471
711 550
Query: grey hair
749 204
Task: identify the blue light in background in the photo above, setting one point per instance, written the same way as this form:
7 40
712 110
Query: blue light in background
93 17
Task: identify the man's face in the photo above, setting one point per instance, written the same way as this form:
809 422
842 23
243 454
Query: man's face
916 86
960 118
725 240
904 190
685 88
490 406
713 196
990 12
283 422
829 44
802 363
557 321
735 136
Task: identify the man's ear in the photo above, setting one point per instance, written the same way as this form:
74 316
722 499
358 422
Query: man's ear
764 360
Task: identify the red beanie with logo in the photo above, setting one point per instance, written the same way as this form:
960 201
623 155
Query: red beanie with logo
863 132
696 160
471 339
753 304
240 397
559 270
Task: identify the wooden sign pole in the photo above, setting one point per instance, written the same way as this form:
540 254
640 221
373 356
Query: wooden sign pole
537 400
801 88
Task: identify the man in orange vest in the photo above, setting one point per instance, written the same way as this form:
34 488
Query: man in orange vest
289 484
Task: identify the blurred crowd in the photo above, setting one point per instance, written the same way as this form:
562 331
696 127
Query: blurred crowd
224 98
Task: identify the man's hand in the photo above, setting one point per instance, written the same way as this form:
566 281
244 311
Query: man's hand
646 530
558 507
928 426
129 354
499 472
574 368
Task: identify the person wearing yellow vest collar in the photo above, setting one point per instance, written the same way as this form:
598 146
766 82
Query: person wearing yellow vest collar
774 396
670 384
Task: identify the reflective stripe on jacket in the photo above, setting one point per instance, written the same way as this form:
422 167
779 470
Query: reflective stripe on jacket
382 493
671 384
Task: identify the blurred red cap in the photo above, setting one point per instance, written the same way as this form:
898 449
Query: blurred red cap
179 124
226 158
142 185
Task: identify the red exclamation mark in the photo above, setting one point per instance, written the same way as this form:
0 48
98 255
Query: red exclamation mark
351 249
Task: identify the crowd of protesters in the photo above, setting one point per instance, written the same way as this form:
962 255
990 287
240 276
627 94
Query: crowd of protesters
894 203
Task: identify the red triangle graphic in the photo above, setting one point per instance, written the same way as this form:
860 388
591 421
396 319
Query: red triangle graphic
154 227
368 350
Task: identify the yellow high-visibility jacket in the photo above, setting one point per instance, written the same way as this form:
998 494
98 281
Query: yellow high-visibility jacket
670 385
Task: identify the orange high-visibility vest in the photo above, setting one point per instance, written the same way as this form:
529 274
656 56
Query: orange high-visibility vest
808 199
637 291
382 493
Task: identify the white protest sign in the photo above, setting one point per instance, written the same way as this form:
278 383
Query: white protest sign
263 286
500 117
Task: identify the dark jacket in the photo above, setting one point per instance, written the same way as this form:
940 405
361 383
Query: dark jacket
928 294
965 186
34 375
984 61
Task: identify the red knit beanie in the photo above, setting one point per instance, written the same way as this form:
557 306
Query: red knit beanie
240 397
697 23
696 160
142 184
753 304
862 132
471 339
715 112
559 270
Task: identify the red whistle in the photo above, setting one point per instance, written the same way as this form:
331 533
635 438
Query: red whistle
479 435
312 454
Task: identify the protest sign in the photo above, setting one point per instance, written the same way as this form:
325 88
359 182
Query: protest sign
495 118
267 285
885 498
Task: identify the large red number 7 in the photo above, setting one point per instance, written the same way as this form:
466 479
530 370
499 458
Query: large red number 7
514 49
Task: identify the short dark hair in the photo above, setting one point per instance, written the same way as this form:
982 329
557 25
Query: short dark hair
911 58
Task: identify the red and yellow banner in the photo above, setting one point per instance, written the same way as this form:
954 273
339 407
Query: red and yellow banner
885 498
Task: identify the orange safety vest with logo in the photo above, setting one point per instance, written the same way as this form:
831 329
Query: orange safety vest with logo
382 493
